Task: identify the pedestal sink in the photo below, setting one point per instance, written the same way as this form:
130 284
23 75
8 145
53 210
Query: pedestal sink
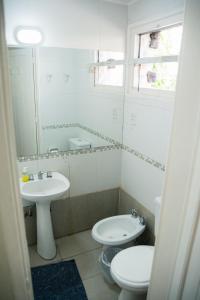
42 192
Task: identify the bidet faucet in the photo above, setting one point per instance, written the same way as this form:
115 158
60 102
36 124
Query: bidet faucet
142 220
134 212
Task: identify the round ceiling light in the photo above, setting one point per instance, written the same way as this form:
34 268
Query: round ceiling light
28 35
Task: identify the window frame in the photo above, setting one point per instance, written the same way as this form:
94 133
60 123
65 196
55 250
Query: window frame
108 63
134 30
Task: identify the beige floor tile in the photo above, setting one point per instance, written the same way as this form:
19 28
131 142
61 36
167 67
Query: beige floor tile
36 260
75 244
97 289
88 263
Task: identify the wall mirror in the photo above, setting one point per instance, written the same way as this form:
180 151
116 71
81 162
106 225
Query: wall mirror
66 99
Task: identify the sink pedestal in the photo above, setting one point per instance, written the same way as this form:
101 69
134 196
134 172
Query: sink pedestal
46 246
42 192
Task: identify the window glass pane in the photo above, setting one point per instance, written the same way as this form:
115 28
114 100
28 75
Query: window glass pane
96 56
108 55
163 42
160 76
105 75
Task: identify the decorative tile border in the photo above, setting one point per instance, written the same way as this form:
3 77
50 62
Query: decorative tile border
60 126
144 157
78 125
115 145
65 154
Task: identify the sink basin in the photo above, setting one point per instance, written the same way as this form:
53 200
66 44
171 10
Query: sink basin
117 230
42 192
47 189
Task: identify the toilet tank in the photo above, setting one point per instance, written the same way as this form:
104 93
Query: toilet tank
157 214
79 143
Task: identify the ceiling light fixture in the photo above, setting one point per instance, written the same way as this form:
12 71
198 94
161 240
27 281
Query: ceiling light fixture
27 35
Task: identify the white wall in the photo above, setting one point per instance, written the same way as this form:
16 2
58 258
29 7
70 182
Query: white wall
147 125
99 108
83 24
22 83
147 121
56 94
75 100
96 24
90 24
144 10
87 173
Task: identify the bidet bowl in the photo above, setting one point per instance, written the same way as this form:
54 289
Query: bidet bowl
117 230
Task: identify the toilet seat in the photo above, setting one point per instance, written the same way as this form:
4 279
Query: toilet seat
131 268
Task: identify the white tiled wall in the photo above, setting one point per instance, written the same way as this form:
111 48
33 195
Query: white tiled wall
52 164
147 127
147 120
74 101
88 173
141 180
102 111
83 174
99 108
108 169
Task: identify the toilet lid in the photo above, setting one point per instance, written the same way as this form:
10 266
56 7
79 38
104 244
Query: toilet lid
133 264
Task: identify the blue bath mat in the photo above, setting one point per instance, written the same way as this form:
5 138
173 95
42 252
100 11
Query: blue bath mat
60 281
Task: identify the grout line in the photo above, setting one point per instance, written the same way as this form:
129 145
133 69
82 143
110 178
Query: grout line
60 258
78 254
92 276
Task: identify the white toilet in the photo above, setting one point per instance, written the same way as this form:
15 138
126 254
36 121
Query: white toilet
131 268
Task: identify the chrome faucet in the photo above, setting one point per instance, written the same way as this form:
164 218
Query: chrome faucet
48 174
40 175
31 177
134 213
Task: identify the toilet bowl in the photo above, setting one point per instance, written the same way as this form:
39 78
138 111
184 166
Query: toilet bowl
131 268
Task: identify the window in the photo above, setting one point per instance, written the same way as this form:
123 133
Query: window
156 58
109 68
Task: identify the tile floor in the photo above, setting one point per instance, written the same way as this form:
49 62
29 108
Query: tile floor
85 251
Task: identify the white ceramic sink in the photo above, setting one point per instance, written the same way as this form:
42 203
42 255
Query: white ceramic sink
42 192
46 189
117 230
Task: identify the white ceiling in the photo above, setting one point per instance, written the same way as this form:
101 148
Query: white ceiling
124 2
